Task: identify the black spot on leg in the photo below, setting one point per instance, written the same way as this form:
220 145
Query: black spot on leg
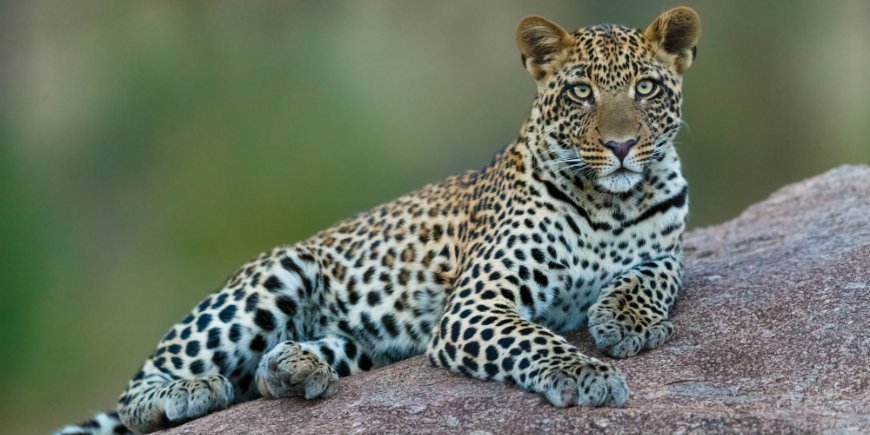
506 342
343 369
507 364
273 284
258 343
469 364
219 359
287 305
526 296
389 323
235 333
454 331
227 314
328 354
365 363
202 322
265 320
373 298
251 302
350 349
491 370
204 304
192 348
540 278
471 348
491 353
451 350
214 338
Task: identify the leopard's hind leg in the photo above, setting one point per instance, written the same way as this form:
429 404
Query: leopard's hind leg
210 360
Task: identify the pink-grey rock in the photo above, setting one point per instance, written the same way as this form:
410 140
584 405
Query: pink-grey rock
773 336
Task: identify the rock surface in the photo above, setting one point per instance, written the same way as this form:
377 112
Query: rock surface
773 335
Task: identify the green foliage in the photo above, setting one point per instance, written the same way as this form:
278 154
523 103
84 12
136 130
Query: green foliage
148 148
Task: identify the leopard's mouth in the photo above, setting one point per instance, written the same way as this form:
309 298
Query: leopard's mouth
622 170
620 180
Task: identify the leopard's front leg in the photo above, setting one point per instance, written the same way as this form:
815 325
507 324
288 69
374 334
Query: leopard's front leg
631 314
483 334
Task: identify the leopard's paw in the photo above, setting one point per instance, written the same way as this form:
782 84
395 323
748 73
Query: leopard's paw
585 382
289 370
623 332
193 398
145 410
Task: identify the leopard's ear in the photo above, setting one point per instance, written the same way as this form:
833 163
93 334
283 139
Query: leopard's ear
674 35
543 46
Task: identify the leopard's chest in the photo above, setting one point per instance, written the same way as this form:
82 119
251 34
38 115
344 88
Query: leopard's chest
583 256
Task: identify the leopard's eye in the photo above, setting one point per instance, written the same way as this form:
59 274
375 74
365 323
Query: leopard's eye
580 92
645 87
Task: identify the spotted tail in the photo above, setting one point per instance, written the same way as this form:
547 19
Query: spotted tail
104 423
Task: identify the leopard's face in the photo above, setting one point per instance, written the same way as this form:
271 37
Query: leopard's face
612 107
609 97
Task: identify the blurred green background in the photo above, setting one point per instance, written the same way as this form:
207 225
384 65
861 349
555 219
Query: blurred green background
149 148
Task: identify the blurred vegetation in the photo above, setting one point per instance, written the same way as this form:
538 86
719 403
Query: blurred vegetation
149 148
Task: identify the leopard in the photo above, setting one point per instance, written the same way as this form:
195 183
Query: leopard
576 222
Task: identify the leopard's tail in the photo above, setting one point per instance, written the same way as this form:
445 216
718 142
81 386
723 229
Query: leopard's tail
104 423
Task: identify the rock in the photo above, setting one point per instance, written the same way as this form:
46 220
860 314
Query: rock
773 335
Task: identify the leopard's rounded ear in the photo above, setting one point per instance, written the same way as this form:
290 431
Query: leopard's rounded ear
674 35
543 46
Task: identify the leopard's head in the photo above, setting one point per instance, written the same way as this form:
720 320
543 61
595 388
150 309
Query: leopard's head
609 97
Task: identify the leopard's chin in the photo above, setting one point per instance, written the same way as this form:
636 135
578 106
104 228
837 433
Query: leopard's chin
619 181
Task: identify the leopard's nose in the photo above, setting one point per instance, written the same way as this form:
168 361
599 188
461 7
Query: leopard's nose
620 149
